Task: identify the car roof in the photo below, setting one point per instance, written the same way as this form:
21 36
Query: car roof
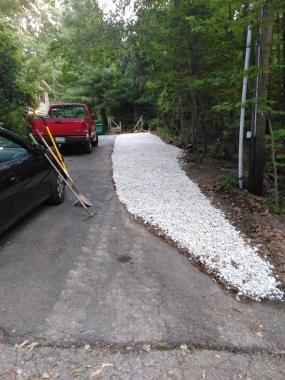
6 132
68 105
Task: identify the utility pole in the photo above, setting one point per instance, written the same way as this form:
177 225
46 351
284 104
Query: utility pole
242 110
255 107
258 151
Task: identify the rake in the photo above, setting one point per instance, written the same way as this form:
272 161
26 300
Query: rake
85 203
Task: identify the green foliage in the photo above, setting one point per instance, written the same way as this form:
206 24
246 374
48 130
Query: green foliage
268 201
282 208
16 90
168 135
279 146
227 184
179 64
15 7
223 147
192 86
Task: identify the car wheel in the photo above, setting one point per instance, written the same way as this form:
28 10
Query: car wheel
88 146
57 191
95 141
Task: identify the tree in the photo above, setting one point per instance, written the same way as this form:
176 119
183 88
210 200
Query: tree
258 154
16 92
178 63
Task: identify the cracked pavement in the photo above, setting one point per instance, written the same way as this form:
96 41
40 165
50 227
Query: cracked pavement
103 298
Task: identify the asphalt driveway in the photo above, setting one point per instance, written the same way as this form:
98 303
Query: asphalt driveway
105 283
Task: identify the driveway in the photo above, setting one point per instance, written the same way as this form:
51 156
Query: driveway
103 297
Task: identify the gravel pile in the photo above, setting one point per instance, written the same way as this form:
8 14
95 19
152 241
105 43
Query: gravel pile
152 185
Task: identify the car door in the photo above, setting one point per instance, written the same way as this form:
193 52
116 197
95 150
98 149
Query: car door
11 157
24 179
8 191
34 178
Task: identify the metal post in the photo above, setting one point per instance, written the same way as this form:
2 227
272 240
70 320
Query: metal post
242 111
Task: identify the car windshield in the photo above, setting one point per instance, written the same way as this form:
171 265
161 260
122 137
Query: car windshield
9 150
68 112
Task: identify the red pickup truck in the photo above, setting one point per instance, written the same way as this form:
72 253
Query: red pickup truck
71 123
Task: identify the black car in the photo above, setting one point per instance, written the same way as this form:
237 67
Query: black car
26 179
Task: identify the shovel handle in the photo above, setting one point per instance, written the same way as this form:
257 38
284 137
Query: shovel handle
52 154
56 148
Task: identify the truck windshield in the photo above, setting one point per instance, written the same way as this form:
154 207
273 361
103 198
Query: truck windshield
68 112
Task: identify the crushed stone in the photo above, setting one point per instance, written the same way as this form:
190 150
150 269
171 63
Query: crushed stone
151 183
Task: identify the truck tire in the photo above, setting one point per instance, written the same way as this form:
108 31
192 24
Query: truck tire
88 146
95 141
57 190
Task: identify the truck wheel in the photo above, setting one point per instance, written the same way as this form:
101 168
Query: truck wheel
88 146
95 141
57 190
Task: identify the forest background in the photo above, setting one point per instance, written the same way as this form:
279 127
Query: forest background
179 64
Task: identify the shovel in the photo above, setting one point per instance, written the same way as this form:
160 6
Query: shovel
65 176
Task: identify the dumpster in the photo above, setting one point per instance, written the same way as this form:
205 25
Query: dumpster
101 128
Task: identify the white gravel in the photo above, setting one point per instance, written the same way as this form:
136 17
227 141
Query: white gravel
152 185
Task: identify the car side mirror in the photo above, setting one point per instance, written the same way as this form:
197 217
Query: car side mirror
38 150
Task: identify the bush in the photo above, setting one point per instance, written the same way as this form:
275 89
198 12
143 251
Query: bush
16 91
168 135
227 184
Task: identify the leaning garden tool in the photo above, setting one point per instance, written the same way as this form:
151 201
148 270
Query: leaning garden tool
75 193
56 148
63 166
66 177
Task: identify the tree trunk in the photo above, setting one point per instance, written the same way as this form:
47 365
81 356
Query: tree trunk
283 60
176 3
194 118
258 154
